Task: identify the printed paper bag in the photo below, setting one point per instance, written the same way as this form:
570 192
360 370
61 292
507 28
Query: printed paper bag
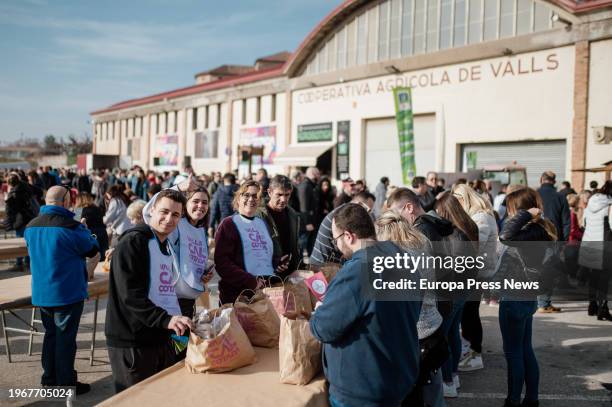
289 297
299 353
229 350
258 319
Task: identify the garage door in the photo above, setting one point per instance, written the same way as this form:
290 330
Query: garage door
382 149
537 156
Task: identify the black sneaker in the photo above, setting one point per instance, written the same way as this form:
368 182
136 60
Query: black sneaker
82 388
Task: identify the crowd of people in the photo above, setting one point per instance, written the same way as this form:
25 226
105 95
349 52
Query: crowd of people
159 230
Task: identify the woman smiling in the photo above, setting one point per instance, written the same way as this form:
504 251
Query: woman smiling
243 246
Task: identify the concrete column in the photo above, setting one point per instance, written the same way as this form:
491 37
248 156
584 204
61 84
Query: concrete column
228 132
581 108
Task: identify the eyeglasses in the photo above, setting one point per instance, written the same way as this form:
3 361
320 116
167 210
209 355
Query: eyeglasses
334 240
246 196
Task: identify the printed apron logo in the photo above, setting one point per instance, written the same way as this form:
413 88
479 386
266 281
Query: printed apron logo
165 280
257 241
196 251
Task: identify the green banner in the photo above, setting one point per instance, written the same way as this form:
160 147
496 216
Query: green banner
405 131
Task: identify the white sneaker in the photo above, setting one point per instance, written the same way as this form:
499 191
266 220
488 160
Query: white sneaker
449 390
472 362
456 381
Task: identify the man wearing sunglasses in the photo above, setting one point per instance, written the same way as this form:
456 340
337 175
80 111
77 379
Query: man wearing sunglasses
58 245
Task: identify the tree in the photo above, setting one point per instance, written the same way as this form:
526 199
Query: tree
51 145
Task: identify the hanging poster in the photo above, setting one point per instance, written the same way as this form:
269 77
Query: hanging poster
260 136
342 149
405 131
166 149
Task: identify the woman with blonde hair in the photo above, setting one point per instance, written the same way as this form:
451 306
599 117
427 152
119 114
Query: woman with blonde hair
244 252
481 212
464 242
428 389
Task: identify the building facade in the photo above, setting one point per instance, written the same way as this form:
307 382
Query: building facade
494 80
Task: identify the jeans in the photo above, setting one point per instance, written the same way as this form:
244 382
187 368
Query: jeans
451 330
59 344
432 392
335 403
515 321
307 241
544 300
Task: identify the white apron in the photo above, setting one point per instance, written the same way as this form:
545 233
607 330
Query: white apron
193 256
256 245
161 288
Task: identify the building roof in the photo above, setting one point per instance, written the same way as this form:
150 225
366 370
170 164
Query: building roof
227 70
291 63
340 13
249 77
282 56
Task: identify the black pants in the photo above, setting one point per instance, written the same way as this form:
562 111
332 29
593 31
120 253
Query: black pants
133 365
471 327
598 284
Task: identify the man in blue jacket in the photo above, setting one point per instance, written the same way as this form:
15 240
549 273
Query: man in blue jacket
58 245
370 348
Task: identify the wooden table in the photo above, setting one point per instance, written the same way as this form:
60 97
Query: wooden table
16 293
13 248
254 385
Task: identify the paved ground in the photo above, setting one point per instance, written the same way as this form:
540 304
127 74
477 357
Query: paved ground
574 352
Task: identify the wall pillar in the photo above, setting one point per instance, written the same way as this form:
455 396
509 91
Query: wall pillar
581 108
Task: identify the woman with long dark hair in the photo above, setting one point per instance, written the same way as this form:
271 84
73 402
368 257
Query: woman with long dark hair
464 242
189 245
524 224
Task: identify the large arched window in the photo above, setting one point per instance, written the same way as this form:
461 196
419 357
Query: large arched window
400 28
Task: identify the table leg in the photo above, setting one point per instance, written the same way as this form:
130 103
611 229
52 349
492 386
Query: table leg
93 336
6 338
32 320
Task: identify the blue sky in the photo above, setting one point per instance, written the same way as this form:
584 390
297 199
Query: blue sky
64 59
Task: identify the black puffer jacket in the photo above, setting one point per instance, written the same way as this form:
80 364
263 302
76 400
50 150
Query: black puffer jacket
531 254
19 208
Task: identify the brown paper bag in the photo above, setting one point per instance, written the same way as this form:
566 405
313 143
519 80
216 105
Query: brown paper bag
299 353
229 350
288 297
258 319
330 270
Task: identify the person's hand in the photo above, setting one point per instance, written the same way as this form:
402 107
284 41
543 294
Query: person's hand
190 184
209 274
261 283
108 253
534 212
318 304
84 222
310 227
179 324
